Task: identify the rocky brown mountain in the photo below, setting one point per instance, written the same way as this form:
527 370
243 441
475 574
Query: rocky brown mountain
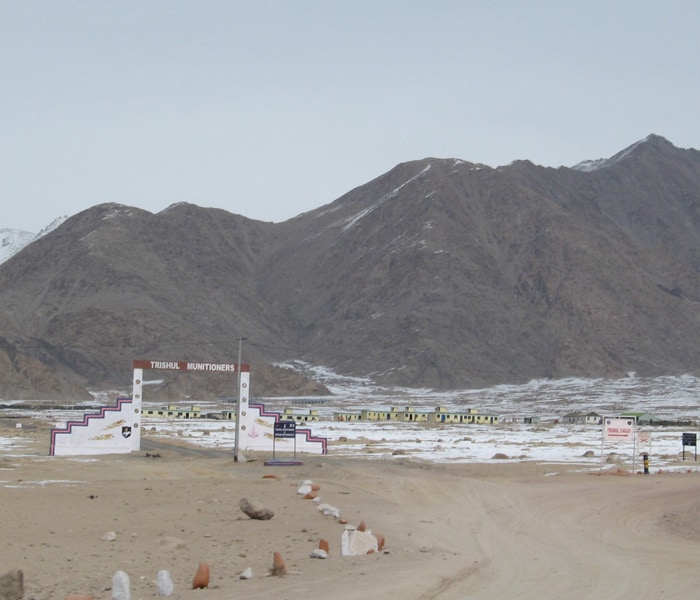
440 273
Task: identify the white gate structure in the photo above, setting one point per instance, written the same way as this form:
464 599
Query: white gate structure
112 430
117 429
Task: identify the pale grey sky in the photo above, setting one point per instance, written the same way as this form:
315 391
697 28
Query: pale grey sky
272 108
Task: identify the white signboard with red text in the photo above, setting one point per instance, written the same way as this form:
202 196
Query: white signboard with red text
618 429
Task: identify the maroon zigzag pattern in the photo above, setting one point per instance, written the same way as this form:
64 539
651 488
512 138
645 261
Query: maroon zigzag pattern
305 432
87 417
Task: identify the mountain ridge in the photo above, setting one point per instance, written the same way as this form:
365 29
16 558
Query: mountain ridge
439 273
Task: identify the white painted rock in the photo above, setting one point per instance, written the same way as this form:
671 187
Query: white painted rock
327 509
164 583
247 574
318 553
357 543
121 586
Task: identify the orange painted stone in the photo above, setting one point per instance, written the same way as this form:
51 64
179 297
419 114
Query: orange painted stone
268 476
311 496
362 526
278 566
343 521
315 487
323 545
201 577
380 540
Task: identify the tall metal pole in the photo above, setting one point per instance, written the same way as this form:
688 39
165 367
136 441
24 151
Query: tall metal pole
238 401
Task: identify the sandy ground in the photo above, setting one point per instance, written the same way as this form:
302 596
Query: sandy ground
520 530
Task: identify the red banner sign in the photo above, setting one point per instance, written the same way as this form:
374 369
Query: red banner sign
182 365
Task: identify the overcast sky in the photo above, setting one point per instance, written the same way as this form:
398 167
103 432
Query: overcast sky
271 108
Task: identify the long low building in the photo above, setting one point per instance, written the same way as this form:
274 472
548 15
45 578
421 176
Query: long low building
290 414
195 412
409 414
173 412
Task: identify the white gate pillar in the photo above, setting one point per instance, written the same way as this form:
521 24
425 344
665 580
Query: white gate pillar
136 400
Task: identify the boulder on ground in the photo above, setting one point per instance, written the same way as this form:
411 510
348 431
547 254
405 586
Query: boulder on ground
255 509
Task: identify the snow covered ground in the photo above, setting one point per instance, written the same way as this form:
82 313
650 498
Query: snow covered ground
666 398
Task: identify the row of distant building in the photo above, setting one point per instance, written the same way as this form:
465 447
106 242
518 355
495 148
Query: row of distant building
406 414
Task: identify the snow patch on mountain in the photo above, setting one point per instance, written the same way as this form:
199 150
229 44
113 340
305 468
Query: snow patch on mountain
354 219
13 240
601 163
591 165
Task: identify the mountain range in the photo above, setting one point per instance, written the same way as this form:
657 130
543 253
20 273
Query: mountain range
440 273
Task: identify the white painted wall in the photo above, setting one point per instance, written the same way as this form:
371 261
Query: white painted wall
257 428
112 430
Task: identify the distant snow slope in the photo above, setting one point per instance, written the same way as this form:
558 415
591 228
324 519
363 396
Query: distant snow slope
13 240
601 163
